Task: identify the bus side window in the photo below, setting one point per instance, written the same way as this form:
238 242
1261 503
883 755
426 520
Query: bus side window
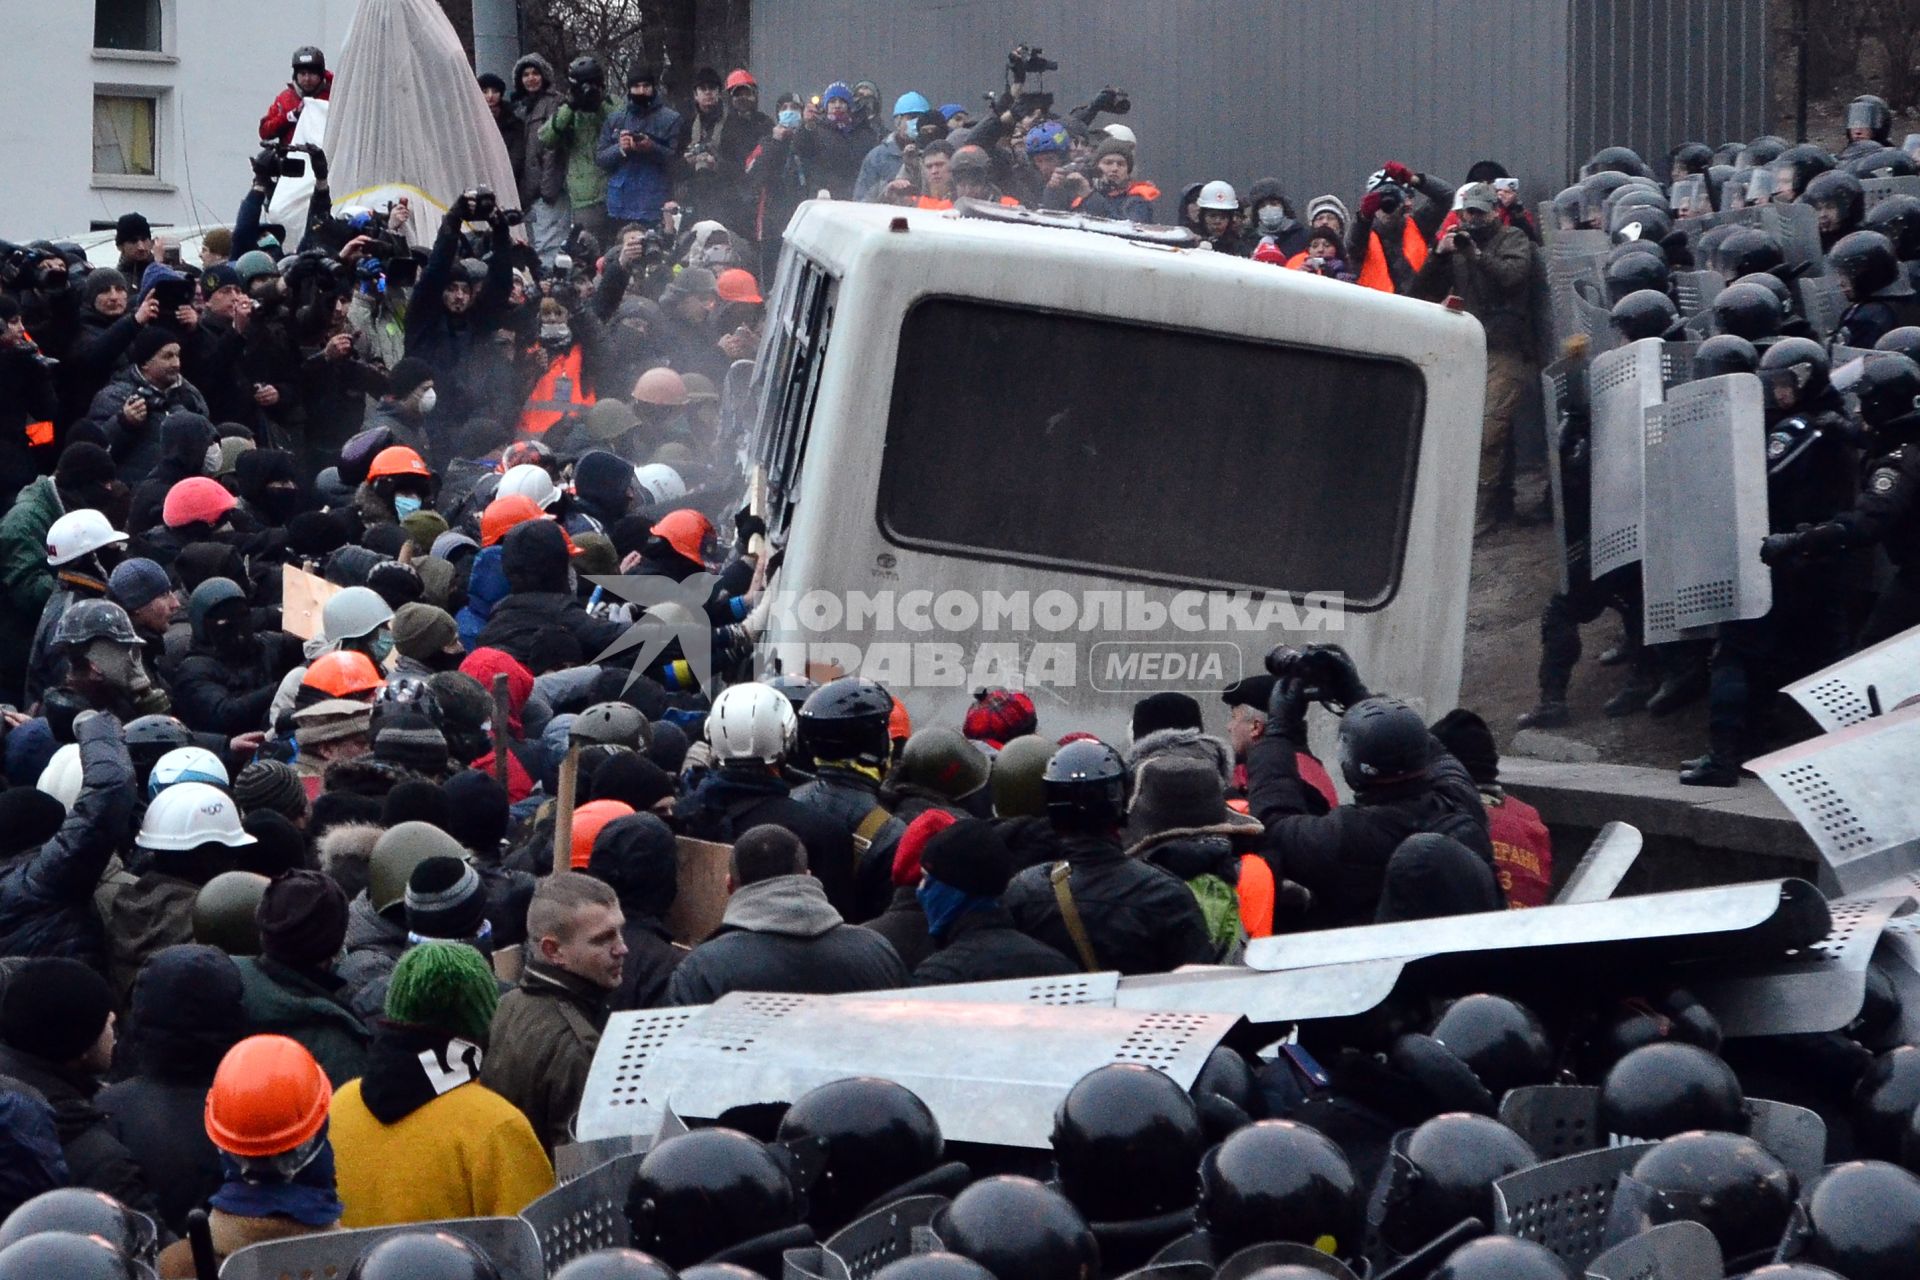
792 386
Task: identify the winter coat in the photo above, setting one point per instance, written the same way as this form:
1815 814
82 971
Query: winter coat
231 1233
1495 282
459 349
1341 857
984 946
880 166
27 395
1138 918
848 797
486 587
231 693
1522 848
638 183
904 925
309 1008
374 946
733 798
31 1161
99 351
543 1039
155 911
641 865
1206 861
542 172
24 573
781 934
46 894
1132 204
776 184
162 1124
573 134
522 615
96 1159
832 159
283 113
136 449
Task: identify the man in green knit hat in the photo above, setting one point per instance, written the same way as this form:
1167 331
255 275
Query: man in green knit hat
418 1138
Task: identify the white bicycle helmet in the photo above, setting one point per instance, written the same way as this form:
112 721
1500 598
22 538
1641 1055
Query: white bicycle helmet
751 722
186 764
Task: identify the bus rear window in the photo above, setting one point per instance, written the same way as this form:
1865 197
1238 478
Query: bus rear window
1154 454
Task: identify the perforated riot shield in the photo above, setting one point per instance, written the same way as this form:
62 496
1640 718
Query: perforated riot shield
508 1243
584 1215
1603 866
886 1235
1680 1250
1694 291
1874 190
1866 684
1819 988
1822 302
1564 392
1795 226
1623 384
1564 1119
1577 285
1854 793
1706 508
1563 1203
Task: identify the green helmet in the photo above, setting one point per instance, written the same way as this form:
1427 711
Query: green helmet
223 912
1017 790
613 724
943 761
398 852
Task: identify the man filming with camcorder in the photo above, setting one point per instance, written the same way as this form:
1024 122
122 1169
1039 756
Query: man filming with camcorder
1394 231
455 310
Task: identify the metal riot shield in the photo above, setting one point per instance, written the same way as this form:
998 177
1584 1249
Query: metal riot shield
1564 1119
508 1243
1795 226
1280 1253
1078 988
586 1214
1577 285
1623 384
1874 190
1816 989
886 1235
1706 508
1863 685
1822 302
1563 1203
1680 1250
1603 866
752 1048
573 1159
1564 390
1694 291
1854 793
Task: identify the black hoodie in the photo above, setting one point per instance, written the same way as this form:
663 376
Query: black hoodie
639 859
540 594
184 441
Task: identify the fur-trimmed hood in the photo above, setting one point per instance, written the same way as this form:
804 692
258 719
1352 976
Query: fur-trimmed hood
1190 744
346 854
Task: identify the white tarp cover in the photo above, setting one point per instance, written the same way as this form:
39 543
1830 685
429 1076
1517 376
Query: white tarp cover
293 196
407 117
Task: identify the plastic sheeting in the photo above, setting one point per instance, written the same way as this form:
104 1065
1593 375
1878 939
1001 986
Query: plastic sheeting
293 196
408 120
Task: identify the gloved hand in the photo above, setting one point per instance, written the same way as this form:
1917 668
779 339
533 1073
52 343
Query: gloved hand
316 160
266 167
1337 675
1397 172
1287 709
1778 548
1370 206
745 525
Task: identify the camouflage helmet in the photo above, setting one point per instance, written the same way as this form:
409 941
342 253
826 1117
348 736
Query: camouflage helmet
224 909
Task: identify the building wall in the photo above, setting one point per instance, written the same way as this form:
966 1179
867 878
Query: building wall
221 65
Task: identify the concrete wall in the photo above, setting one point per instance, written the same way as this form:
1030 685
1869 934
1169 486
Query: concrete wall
222 63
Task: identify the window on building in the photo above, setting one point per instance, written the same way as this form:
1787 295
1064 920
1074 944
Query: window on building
132 25
123 134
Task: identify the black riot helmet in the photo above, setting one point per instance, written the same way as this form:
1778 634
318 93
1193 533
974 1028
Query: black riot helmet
1638 194
877 1136
937 1265
1663 1089
1228 1095
1748 311
1898 219
67 1255
1887 162
150 737
1126 1139
1675 1014
1595 190
1086 788
1279 1180
1443 1174
794 688
1019 1229
1503 1258
1884 1100
1749 250
1865 262
846 719
1569 212
1499 1040
1870 112
1726 1182
1774 285
1839 201
87 1213
586 69
1800 364
1706 249
1647 313
1888 390
1861 1219
1383 742
423 1255
308 58
1903 341
1724 353
1632 272
1634 219
1617 160
701 1192
1689 157
1797 166
1762 150
616 1264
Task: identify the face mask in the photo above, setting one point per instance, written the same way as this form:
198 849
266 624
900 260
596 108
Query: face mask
211 463
227 635
382 647
428 399
405 504
120 665
789 119
1272 218
641 101
555 335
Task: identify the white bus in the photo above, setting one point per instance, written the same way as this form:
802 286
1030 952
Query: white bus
1003 449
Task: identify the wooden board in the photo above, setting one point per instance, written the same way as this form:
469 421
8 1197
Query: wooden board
702 896
302 596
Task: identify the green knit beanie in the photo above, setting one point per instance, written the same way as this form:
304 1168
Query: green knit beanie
447 986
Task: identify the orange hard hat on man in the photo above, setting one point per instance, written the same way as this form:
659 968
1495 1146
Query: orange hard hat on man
899 723
736 284
398 460
741 78
661 387
268 1098
589 820
502 514
686 531
343 674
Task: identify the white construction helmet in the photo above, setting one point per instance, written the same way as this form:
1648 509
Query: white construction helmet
79 533
61 778
1119 133
529 481
355 612
661 482
751 722
188 815
1218 196
186 764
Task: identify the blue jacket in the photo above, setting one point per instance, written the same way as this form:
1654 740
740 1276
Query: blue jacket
486 587
638 184
880 167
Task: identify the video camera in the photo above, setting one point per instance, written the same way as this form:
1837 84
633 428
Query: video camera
1026 60
173 295
1115 102
479 204
278 161
584 95
1320 669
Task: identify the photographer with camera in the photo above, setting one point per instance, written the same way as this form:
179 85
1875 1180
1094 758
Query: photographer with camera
570 133
28 400
129 408
1404 783
1490 266
1115 192
639 149
541 170
452 317
41 281
1391 237
882 164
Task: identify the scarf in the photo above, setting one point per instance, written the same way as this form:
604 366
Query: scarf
408 1067
309 1199
945 904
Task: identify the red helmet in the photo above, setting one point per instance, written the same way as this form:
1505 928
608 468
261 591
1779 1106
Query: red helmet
736 284
343 674
398 460
196 500
268 1097
502 514
741 78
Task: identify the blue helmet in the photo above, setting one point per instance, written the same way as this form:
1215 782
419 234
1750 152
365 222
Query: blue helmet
911 104
1048 136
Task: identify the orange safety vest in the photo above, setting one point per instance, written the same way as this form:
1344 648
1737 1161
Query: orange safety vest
1374 274
559 392
39 434
1256 895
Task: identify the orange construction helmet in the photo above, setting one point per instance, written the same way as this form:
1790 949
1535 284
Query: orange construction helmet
268 1097
502 514
899 723
398 460
686 531
343 673
661 387
589 820
736 284
741 78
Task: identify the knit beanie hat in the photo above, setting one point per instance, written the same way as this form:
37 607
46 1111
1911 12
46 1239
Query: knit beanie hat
83 464
445 986
406 377
272 786
137 583
420 631
278 846
98 281
28 819
410 740
316 534
424 528
416 801
148 342
1467 739
445 899
634 779
302 920
972 856
913 844
331 721
54 1009
478 811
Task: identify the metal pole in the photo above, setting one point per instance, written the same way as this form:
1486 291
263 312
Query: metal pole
1800 107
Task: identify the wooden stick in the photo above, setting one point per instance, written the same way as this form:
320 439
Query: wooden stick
563 814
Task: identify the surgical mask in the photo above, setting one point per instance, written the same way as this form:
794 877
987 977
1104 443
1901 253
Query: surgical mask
555 335
382 648
211 464
1272 218
789 119
428 399
405 504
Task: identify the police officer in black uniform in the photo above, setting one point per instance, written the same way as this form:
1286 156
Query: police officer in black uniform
1879 295
843 728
